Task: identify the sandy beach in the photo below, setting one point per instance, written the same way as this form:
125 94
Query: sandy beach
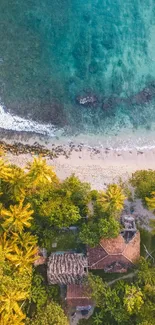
98 167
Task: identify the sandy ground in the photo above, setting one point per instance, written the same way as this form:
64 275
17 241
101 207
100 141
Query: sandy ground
99 169
99 165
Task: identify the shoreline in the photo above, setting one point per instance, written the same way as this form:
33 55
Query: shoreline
124 139
98 166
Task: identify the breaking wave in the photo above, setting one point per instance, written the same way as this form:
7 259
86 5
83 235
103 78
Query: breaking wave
15 123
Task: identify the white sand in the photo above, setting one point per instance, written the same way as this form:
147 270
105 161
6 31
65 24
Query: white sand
97 169
100 170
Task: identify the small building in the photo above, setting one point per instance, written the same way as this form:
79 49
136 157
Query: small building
115 254
78 297
111 255
41 257
66 268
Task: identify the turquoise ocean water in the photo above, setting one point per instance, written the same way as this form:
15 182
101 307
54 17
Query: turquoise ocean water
52 51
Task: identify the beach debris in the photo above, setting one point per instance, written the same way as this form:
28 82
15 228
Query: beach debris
18 148
36 149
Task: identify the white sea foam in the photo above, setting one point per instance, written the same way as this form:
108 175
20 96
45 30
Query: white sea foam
127 140
13 122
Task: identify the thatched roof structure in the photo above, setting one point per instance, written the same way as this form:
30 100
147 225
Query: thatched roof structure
115 254
66 268
78 296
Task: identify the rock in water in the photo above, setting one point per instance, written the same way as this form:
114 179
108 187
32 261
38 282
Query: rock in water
111 102
90 100
144 96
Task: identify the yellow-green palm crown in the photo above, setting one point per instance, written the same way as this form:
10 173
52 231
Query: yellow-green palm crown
40 173
23 258
12 319
151 201
6 247
9 306
5 170
17 184
17 217
112 199
24 240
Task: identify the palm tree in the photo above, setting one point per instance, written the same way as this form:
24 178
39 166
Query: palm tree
9 305
113 199
2 153
23 258
17 217
24 240
12 319
6 246
21 250
151 201
40 173
5 170
98 319
16 186
133 299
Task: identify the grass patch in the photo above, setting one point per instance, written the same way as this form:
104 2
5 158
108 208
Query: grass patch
66 240
148 240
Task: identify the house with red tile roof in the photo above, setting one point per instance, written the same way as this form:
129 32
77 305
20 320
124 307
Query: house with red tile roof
111 255
78 296
117 254
114 254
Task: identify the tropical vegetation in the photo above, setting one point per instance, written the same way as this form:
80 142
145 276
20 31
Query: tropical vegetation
24 291
39 210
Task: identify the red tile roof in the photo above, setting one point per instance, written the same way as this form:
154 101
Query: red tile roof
95 254
78 295
116 252
113 245
132 249
112 260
